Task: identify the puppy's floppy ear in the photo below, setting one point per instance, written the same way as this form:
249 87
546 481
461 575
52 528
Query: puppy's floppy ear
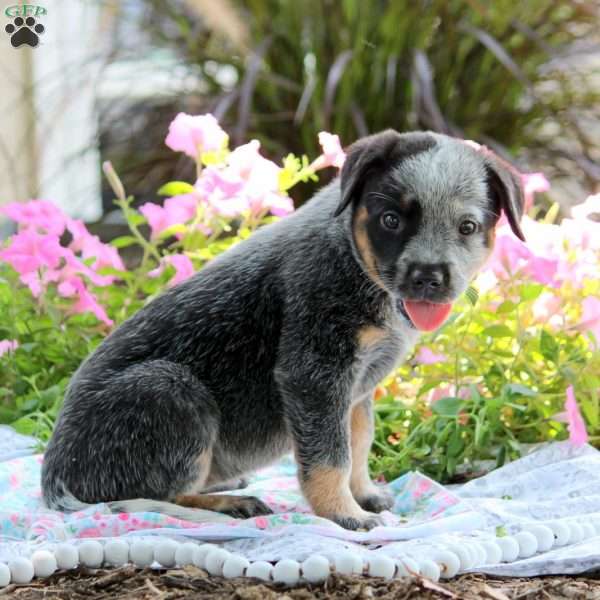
362 157
507 192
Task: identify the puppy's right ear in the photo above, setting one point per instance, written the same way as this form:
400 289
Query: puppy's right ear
362 158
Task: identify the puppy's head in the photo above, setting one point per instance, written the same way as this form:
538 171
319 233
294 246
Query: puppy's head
424 211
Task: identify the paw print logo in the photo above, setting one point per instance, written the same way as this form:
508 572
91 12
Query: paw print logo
24 31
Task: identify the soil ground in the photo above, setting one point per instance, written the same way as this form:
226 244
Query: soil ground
193 583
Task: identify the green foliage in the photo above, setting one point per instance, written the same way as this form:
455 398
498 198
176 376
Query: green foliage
488 71
504 384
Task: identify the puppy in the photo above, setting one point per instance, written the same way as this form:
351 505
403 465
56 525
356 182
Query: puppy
278 344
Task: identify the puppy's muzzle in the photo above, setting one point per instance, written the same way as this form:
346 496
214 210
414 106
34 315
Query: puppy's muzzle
428 281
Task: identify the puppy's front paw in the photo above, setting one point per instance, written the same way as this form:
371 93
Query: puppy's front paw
245 507
376 500
365 521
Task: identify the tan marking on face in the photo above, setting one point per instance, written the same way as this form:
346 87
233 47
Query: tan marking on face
490 237
361 426
363 245
328 493
370 335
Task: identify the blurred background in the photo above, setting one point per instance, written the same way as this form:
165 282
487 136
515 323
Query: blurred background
108 77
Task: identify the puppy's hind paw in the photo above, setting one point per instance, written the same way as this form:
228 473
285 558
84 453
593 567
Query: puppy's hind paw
377 501
246 507
368 521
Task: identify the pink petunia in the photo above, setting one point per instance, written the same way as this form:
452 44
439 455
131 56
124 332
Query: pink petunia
8 346
533 183
426 356
333 155
184 268
577 432
37 214
86 301
196 134
590 316
90 246
177 210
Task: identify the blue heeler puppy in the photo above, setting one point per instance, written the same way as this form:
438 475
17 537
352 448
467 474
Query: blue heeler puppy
278 344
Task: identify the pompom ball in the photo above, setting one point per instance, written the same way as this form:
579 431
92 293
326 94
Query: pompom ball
260 570
448 562
4 575
116 553
576 533
184 555
527 544
21 570
493 553
215 560
44 563
287 571
561 531
164 552
348 563
429 569
407 567
91 554
509 548
463 555
543 535
235 566
315 568
478 553
200 553
141 553
380 565
67 556
588 531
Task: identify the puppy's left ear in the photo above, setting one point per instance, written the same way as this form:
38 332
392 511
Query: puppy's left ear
507 192
363 157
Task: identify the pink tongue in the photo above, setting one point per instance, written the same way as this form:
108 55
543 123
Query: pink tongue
427 316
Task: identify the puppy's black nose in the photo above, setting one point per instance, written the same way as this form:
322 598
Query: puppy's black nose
427 279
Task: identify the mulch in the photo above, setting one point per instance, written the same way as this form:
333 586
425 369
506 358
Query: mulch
193 583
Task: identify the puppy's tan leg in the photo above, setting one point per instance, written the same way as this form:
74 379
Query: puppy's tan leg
328 492
239 507
365 492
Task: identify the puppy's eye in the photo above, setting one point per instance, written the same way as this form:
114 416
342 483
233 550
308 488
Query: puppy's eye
390 220
467 227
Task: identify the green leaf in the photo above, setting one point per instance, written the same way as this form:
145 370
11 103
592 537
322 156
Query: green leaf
506 307
448 407
521 390
497 331
530 291
472 295
176 188
548 346
124 241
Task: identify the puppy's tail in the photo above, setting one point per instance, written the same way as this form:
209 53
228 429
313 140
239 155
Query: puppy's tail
66 502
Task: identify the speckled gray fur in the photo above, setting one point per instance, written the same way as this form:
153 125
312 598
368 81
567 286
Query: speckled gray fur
257 354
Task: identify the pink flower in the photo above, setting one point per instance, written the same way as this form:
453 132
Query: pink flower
176 211
8 346
532 184
184 268
36 214
590 317
196 134
90 246
333 155
586 209
577 432
426 356
86 301
249 182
